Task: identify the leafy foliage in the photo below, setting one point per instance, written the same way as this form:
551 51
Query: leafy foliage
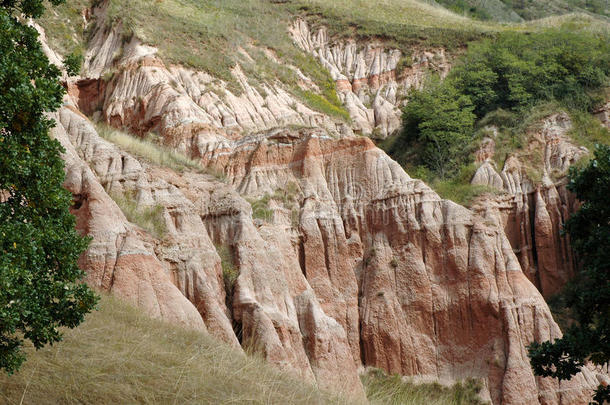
39 278
516 71
73 62
588 296
441 121
510 80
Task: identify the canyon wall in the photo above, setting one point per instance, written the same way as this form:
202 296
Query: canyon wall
354 263
533 213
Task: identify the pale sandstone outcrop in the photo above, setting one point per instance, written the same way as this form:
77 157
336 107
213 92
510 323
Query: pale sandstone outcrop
370 79
603 114
120 258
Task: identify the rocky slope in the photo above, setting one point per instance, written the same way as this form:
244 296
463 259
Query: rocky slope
354 263
372 81
532 214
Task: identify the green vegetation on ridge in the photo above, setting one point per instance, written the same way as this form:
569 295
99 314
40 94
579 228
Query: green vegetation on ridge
516 10
216 35
509 82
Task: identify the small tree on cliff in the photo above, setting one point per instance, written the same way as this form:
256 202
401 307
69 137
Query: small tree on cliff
39 279
441 122
588 296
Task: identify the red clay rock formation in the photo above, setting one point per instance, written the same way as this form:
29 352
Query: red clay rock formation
375 270
380 270
430 273
531 215
120 258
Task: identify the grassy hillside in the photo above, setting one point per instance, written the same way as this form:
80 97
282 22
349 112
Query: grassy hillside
215 35
496 10
119 356
530 10
518 10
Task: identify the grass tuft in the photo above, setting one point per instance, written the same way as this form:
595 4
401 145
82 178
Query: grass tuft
321 104
229 271
396 390
148 218
146 149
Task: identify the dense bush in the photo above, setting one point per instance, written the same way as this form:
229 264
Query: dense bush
515 71
441 119
512 73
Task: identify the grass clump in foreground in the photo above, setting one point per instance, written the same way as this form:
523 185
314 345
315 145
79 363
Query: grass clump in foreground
394 390
120 356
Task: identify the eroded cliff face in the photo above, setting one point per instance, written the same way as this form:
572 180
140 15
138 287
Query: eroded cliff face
532 215
361 265
372 81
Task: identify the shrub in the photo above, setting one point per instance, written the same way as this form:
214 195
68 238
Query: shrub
441 122
515 71
260 208
510 82
229 271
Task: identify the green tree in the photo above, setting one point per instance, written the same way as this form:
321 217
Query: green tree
588 296
441 121
40 288
515 71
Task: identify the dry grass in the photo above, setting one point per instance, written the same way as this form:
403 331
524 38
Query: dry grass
396 390
149 218
148 150
119 356
64 26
